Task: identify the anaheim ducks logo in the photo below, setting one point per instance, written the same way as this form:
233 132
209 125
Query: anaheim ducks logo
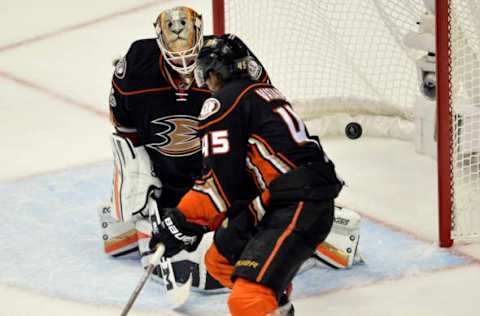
178 136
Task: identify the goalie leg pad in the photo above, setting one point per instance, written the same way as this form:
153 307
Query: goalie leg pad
340 248
133 179
119 238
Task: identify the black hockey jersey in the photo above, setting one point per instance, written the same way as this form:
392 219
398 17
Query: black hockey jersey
250 136
150 104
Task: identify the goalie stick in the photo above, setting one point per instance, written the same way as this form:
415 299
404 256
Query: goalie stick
176 295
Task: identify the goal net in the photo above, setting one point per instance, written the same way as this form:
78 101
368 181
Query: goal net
463 101
345 60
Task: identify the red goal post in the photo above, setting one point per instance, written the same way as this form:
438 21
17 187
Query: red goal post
363 69
444 123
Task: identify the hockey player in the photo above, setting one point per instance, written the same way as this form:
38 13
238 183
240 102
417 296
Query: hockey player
267 189
154 105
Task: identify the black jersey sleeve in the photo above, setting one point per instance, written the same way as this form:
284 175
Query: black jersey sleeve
131 76
224 130
120 117
119 113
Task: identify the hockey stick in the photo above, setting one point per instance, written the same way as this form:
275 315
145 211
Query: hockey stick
176 295
153 261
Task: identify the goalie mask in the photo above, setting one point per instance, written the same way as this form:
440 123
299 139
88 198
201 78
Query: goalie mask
180 37
226 55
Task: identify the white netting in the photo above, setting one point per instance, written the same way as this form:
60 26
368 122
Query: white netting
344 60
337 56
465 100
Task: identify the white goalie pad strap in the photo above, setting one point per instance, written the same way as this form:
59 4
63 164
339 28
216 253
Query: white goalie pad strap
133 179
340 247
144 234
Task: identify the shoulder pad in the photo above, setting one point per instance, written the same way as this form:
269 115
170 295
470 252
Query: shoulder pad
139 52
138 68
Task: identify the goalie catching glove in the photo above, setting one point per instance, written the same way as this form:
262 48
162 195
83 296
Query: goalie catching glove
172 229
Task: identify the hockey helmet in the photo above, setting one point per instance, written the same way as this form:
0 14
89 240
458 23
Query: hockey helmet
180 36
226 55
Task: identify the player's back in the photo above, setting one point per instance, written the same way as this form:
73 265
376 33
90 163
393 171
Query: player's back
265 113
251 124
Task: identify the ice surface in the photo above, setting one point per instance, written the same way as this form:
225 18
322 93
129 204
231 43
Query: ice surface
53 110
57 248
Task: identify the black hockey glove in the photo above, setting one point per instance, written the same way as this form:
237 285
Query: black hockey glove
175 232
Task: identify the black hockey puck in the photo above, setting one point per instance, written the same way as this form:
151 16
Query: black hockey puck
353 130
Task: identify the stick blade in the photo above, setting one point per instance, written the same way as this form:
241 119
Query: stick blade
179 295
176 295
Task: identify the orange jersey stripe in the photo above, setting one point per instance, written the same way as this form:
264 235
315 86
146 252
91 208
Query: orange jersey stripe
218 266
279 155
255 179
287 161
234 105
198 208
266 169
263 141
205 202
254 214
280 241
220 189
139 91
200 89
265 196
